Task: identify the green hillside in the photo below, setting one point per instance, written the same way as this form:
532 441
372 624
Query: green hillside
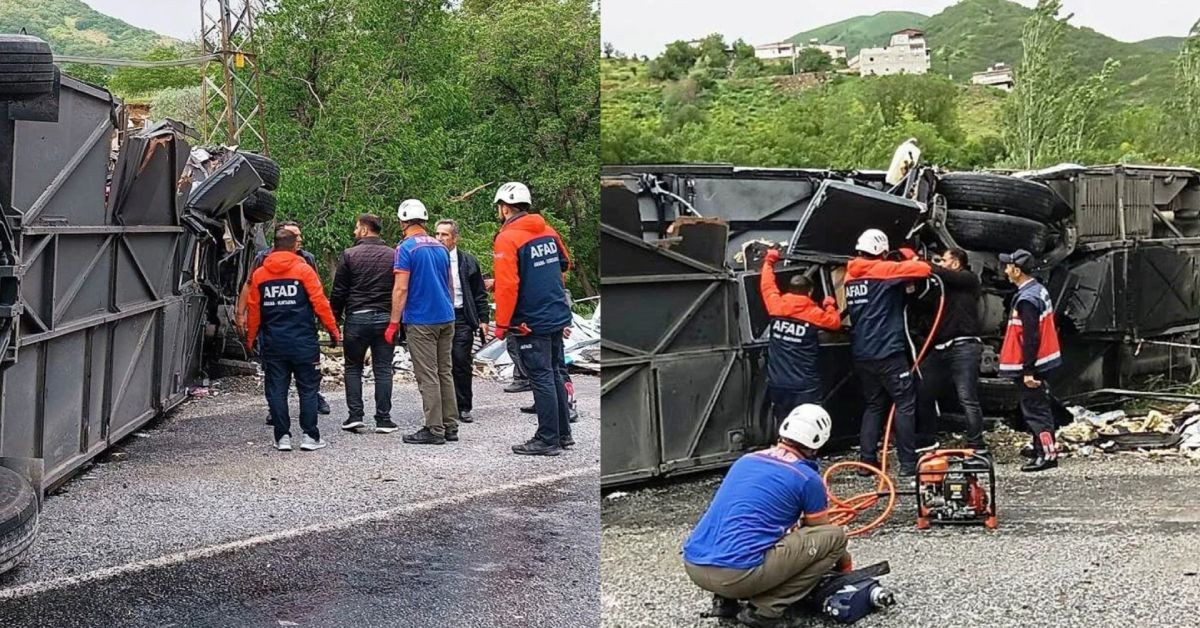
73 28
1162 44
861 32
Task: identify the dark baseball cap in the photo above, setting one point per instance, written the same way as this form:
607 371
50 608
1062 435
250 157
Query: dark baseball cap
1020 258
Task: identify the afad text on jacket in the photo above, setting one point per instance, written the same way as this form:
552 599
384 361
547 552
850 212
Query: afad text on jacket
285 294
529 261
875 299
793 349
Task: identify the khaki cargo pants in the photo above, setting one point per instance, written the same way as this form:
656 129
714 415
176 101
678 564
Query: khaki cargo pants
429 346
788 572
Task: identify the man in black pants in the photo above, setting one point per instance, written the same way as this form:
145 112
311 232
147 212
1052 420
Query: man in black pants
362 300
470 299
956 349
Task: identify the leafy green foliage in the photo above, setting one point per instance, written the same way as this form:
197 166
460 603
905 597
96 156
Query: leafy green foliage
131 81
370 102
813 60
180 103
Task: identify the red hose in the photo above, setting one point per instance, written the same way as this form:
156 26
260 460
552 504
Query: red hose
843 512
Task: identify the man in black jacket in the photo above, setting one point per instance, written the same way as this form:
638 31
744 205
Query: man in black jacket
362 299
956 349
470 313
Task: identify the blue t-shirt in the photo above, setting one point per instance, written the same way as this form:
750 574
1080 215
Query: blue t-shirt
430 301
763 495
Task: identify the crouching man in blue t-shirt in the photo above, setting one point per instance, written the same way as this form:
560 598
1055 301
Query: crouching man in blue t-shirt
766 537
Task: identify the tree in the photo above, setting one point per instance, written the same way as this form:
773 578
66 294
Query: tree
1187 88
813 60
131 81
94 74
609 49
674 63
713 54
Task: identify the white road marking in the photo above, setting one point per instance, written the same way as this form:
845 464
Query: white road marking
43 586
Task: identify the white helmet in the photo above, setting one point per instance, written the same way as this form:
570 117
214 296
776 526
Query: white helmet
412 209
513 193
872 242
807 424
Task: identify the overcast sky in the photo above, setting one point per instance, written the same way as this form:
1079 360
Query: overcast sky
177 18
646 26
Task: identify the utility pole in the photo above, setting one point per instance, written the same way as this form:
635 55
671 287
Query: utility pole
231 95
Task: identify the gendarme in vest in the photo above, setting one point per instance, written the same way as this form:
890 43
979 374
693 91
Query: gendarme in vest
1049 353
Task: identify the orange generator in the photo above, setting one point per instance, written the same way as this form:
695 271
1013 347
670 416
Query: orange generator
956 487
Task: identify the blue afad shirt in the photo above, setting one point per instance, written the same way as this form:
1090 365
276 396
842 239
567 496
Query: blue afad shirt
427 262
763 495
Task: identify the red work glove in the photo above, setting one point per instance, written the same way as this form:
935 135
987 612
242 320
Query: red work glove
389 334
773 256
501 332
907 253
829 302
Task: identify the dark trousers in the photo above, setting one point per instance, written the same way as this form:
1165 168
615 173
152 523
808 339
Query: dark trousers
364 332
957 365
278 372
1035 408
461 358
886 381
510 345
784 400
540 355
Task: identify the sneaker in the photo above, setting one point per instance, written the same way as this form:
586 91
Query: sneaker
311 444
385 426
529 409
451 437
284 443
931 446
518 386
566 441
322 405
537 447
465 417
352 424
574 418
424 437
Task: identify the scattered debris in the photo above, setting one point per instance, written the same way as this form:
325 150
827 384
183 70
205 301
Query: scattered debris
1156 434
198 392
616 495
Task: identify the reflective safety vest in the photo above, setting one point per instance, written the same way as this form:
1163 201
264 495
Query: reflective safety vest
1049 352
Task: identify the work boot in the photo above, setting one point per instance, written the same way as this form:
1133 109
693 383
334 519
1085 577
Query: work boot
530 409
352 423
518 386
1029 451
284 443
927 444
385 426
723 608
865 473
750 616
1039 464
322 405
451 436
424 437
566 441
465 417
537 447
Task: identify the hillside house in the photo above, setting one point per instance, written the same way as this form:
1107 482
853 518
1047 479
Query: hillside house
906 53
789 50
998 75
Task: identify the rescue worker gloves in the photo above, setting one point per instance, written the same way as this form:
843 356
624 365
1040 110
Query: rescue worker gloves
829 302
808 424
389 334
872 242
772 256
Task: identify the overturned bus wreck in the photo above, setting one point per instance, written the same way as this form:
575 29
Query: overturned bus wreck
121 251
683 354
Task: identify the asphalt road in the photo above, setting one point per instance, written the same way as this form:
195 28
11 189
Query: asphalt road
1098 543
203 524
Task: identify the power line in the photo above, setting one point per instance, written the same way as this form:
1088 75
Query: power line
135 63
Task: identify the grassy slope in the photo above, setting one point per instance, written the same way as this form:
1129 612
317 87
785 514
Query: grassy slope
862 32
72 27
